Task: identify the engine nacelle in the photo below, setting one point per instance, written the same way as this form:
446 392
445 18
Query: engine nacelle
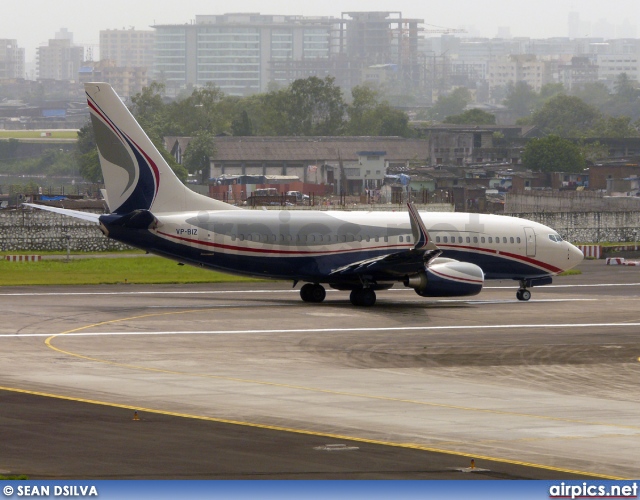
447 278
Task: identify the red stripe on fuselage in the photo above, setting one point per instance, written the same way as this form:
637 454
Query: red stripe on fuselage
282 252
520 258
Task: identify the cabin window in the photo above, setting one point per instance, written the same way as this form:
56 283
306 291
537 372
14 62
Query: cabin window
475 239
490 239
377 239
504 239
518 239
350 238
401 239
386 239
468 239
233 237
343 238
437 239
459 239
408 239
445 239
511 240
482 239
368 238
241 237
359 237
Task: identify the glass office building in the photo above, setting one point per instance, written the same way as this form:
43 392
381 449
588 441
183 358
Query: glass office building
238 52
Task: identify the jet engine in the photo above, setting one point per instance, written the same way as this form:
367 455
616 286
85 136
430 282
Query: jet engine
447 278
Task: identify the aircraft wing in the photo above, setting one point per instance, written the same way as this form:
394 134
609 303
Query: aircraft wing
387 267
396 264
78 214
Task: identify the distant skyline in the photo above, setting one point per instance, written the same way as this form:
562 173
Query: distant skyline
33 22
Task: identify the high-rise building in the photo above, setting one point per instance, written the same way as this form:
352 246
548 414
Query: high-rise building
519 68
239 52
12 60
243 53
59 60
128 48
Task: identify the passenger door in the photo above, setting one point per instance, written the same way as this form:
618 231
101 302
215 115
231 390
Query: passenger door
530 240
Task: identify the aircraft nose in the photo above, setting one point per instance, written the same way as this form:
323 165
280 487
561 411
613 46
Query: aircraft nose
575 256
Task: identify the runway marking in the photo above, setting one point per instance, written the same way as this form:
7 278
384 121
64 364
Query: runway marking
75 332
412 446
275 290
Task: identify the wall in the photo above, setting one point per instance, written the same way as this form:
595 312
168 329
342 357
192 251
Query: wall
590 227
568 201
40 231
36 230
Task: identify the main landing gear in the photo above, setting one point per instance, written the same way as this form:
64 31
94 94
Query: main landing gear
363 297
522 293
313 292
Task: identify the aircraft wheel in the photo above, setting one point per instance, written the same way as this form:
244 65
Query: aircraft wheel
313 293
363 297
523 295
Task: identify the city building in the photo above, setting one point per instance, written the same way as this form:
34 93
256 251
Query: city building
242 53
245 53
520 68
59 60
127 81
128 48
12 60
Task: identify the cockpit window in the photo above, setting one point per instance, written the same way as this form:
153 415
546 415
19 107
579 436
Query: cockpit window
555 237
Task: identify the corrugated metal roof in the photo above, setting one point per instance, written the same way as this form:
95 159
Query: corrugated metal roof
316 148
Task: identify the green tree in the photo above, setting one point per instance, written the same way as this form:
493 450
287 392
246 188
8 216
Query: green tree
521 99
365 101
315 107
368 117
614 127
149 109
242 125
199 152
203 110
452 104
566 116
472 117
87 155
595 94
553 154
593 150
626 99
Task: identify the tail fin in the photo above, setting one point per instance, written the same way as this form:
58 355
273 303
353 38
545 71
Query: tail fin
136 175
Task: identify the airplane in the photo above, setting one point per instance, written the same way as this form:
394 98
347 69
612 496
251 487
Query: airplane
449 255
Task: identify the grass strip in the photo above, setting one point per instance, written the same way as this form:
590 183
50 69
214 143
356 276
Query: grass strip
98 271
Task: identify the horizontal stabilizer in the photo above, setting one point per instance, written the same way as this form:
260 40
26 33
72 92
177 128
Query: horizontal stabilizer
78 214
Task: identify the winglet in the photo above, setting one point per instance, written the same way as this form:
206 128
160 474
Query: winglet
420 233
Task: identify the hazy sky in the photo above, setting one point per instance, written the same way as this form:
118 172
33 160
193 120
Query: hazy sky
34 22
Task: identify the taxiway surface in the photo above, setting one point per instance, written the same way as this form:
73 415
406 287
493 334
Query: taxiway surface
546 388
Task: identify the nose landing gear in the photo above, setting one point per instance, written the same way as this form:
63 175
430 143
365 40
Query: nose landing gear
523 294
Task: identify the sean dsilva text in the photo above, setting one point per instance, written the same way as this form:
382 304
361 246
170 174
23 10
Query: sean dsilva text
57 491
